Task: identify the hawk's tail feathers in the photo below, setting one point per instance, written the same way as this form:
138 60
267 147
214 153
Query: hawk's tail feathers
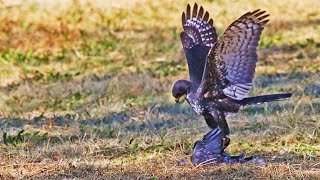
264 99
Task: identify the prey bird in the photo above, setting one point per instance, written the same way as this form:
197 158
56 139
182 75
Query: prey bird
221 71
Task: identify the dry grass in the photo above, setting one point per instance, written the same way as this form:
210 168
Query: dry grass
89 83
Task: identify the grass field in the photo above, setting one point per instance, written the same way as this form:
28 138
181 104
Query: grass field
85 91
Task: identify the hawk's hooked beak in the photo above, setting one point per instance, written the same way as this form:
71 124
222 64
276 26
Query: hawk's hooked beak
180 99
177 100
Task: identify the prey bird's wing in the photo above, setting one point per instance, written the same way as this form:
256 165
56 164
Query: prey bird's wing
197 37
231 63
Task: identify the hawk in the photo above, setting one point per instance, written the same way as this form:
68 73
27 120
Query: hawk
221 70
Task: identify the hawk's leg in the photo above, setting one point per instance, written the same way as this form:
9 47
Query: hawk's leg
216 119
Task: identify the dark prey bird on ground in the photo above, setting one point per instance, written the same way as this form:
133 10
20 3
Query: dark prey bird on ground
220 71
208 151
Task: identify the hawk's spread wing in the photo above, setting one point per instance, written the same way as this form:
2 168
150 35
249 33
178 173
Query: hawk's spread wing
231 63
198 37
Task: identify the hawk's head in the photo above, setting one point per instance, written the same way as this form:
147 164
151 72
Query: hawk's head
180 88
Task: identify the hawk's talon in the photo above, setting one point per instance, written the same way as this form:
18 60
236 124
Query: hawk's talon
225 143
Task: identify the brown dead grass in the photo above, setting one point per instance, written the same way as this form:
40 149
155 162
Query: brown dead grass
96 76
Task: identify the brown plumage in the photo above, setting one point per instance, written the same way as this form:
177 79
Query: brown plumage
231 63
221 71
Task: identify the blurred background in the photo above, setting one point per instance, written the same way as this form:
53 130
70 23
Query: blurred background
90 81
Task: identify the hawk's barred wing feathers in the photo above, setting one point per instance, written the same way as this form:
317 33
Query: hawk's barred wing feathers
231 62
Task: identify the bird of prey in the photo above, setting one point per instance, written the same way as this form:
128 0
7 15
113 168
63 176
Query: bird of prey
221 71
